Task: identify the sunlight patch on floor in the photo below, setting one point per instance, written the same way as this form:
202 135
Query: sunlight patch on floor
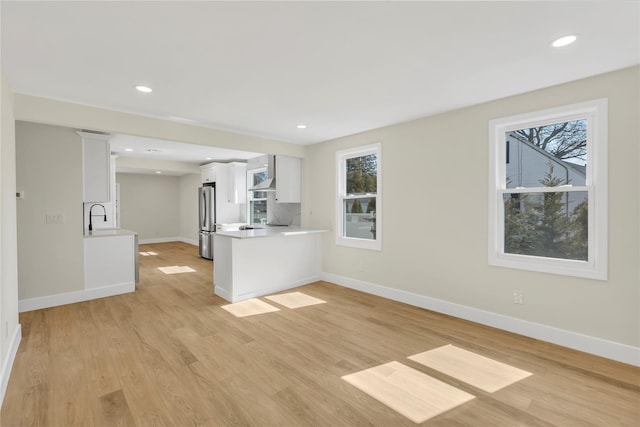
249 307
410 392
176 269
478 371
148 253
295 300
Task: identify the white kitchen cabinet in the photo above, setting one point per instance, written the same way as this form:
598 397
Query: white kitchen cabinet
288 177
96 167
208 173
237 182
227 210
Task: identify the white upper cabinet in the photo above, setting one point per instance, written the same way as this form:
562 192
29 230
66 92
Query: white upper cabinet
96 167
237 182
288 176
208 173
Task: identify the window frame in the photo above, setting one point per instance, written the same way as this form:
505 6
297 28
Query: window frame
251 194
596 114
341 178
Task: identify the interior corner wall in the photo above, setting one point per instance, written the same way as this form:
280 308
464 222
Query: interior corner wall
149 206
188 205
49 173
435 209
9 326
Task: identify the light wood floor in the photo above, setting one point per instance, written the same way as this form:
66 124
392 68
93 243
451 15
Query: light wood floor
168 355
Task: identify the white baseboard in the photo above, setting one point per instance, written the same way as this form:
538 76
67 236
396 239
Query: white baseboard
190 241
7 364
168 240
73 297
159 240
596 346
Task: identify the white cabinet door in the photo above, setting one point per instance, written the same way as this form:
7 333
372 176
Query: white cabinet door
96 167
237 183
288 179
226 211
208 173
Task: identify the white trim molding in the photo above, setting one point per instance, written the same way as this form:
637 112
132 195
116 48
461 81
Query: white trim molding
160 240
7 364
73 297
342 197
595 113
588 344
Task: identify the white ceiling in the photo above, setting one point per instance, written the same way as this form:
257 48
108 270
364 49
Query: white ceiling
261 68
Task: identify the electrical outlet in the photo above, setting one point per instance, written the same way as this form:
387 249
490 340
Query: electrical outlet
518 297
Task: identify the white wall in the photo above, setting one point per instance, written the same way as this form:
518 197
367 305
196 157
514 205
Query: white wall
188 204
49 171
149 205
9 326
435 183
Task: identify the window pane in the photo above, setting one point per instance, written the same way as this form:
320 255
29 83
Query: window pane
548 156
362 174
258 212
258 177
360 218
552 225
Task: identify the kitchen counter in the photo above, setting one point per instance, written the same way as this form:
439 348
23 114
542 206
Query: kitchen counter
109 232
263 261
269 232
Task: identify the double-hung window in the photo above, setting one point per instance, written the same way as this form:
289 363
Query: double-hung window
359 203
548 191
257 200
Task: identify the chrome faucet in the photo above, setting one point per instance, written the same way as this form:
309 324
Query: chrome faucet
91 215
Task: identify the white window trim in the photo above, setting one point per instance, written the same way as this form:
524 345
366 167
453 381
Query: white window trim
250 194
341 158
596 185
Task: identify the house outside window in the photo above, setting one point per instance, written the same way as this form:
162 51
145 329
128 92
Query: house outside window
257 200
548 191
358 207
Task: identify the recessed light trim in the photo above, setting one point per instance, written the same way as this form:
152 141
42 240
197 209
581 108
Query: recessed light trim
143 89
564 41
208 158
158 172
301 126
128 149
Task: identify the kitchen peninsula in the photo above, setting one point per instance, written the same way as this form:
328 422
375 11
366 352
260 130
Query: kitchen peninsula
110 261
261 261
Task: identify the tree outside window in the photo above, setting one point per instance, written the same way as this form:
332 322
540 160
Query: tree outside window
548 201
359 197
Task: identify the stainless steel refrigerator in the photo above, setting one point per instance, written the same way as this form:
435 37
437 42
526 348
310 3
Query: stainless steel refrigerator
207 221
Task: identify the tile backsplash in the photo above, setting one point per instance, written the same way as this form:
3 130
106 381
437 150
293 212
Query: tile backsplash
282 213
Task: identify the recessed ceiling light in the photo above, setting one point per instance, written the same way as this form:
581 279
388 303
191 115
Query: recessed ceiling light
158 172
564 41
145 89
208 158
128 149
301 126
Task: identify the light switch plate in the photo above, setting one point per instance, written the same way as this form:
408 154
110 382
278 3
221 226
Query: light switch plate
55 218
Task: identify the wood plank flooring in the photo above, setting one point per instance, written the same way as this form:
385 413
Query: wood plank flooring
169 355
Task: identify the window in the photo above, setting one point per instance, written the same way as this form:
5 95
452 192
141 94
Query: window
257 206
358 208
548 191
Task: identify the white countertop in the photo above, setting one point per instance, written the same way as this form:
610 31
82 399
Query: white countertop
109 232
269 232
